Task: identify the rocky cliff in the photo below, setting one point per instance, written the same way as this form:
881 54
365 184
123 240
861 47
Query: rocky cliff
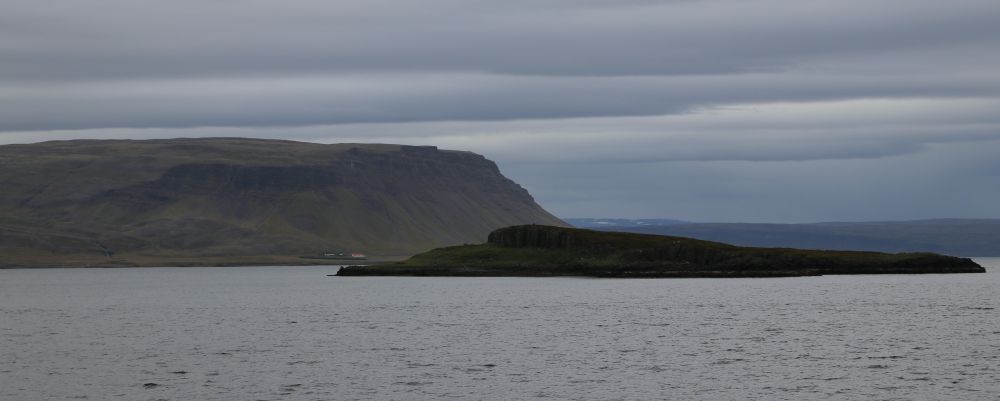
232 200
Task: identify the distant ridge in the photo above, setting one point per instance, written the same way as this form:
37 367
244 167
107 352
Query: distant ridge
599 223
960 237
244 201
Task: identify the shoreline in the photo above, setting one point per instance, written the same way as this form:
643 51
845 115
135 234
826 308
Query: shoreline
427 271
189 262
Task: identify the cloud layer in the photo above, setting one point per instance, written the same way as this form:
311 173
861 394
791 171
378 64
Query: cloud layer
643 96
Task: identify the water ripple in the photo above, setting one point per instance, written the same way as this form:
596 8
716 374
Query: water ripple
293 333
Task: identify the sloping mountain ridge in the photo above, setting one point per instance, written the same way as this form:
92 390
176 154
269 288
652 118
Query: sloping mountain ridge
238 200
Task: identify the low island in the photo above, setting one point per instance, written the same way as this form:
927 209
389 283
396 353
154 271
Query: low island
538 251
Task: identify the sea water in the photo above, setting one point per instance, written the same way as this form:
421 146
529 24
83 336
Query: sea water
292 333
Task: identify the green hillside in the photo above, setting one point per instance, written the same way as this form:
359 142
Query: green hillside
235 200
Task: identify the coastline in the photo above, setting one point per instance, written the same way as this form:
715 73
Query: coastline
144 262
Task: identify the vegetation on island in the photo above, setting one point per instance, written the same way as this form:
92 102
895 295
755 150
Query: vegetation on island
536 250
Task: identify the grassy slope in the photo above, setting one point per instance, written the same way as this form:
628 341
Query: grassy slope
157 201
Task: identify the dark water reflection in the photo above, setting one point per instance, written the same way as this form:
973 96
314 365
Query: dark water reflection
274 333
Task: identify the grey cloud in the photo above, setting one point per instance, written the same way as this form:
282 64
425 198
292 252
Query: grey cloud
855 129
119 63
440 97
120 38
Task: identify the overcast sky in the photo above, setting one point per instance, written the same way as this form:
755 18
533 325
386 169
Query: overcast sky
714 110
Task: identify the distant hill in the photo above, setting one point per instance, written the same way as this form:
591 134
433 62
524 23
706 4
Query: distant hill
601 223
234 200
960 237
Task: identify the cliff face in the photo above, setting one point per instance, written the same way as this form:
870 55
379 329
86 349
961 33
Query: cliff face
159 201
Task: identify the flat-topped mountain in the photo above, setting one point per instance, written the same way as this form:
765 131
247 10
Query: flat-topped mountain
534 250
236 200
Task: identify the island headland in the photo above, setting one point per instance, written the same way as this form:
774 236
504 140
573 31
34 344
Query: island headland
538 250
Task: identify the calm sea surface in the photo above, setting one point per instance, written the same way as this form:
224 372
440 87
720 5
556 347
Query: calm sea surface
291 333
